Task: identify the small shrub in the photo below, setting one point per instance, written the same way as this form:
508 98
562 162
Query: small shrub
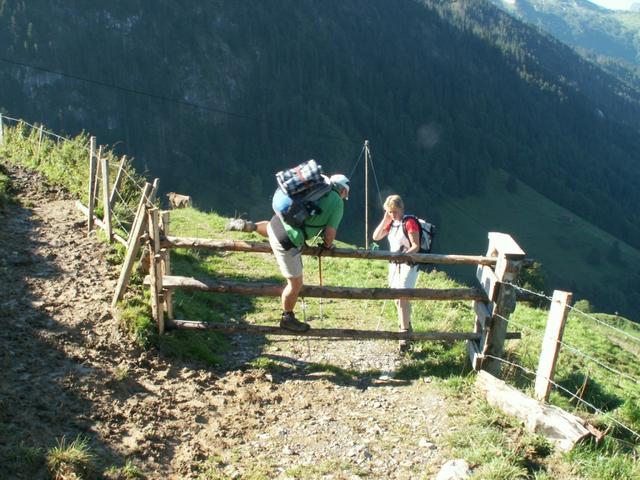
584 306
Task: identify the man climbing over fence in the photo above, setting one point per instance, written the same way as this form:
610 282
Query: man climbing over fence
288 229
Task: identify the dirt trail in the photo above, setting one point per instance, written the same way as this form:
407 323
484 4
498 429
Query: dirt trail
68 370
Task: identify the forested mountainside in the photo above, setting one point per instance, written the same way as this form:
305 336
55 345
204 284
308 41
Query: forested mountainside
215 97
609 38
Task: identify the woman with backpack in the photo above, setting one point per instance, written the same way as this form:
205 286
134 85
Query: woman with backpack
401 275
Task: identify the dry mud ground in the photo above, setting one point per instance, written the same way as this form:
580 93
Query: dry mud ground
68 370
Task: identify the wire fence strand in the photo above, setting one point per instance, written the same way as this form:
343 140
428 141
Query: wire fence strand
574 309
573 349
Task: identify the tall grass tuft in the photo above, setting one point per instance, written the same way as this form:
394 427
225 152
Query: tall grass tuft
71 461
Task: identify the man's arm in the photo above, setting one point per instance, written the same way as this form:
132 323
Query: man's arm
329 236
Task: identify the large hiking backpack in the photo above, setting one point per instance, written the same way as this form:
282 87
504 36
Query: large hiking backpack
426 234
298 191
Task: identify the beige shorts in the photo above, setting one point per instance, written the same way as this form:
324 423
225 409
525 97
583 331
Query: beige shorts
402 275
289 261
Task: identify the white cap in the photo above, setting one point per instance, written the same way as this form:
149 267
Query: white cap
341 181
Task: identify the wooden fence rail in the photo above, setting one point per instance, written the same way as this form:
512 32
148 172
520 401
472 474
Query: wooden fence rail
261 289
264 247
328 332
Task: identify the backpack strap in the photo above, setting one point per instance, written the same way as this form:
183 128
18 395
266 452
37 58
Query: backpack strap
404 227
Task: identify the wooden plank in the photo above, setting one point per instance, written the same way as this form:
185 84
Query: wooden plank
475 354
264 247
507 270
155 270
323 332
488 281
550 344
118 180
504 244
105 199
563 429
139 225
483 314
493 339
92 176
262 289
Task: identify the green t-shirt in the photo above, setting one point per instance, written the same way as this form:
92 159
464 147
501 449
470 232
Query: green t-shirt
332 208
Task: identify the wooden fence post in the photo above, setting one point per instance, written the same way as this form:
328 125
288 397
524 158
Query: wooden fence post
40 134
502 297
96 180
139 224
166 263
92 176
106 205
1 130
116 183
155 270
551 343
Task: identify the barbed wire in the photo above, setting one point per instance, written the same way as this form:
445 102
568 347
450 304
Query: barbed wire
572 348
35 127
592 317
124 203
122 227
99 173
570 393
135 181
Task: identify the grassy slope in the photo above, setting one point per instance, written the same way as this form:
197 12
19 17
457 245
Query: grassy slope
548 233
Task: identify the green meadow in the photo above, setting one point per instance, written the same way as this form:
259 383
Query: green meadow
575 255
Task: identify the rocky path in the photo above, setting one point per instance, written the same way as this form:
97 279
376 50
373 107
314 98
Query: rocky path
67 370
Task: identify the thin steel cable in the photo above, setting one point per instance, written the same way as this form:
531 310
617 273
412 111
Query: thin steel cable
595 319
572 348
125 203
133 180
4 117
637 339
539 294
375 177
603 365
596 409
356 164
121 226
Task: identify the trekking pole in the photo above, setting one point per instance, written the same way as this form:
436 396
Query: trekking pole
320 275
304 319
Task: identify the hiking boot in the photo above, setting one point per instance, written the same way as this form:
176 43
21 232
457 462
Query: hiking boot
240 225
404 345
290 322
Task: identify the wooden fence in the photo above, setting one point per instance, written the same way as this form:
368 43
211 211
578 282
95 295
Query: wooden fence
493 301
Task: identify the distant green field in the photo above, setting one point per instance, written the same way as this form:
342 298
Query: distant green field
575 255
